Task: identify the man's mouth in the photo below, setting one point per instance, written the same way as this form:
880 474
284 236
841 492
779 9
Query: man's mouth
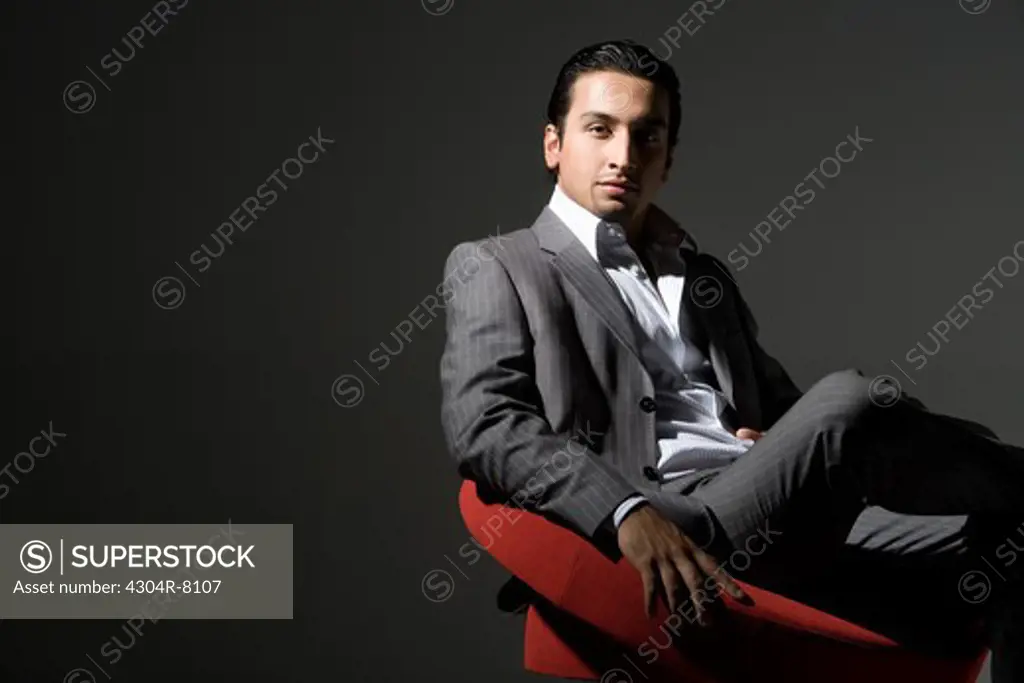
616 187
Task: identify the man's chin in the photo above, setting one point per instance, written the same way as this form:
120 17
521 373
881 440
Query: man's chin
615 209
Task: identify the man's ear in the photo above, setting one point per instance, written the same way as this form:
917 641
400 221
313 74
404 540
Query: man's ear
552 147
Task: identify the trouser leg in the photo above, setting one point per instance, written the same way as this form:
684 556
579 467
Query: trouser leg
837 451
930 583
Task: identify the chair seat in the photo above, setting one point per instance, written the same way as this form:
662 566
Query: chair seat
588 621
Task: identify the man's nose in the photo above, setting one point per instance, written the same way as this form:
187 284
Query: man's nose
622 152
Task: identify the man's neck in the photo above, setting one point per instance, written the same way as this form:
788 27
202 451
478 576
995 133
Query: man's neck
636 235
633 226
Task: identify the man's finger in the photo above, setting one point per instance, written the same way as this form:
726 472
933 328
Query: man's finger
670 581
748 433
693 579
647 576
712 568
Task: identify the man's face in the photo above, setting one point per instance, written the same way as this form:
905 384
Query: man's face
614 148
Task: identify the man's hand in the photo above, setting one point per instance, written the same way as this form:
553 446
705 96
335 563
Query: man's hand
662 554
748 433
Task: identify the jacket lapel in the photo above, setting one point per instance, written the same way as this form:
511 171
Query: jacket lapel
571 259
709 298
704 308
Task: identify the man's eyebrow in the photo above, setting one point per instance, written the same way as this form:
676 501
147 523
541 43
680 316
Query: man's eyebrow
653 121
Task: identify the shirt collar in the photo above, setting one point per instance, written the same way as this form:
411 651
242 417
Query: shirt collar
581 222
584 224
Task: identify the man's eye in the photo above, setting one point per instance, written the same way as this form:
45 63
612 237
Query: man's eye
598 128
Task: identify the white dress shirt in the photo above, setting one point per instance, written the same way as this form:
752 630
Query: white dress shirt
688 417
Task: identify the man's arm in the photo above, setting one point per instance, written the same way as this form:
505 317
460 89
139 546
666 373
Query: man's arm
495 428
491 409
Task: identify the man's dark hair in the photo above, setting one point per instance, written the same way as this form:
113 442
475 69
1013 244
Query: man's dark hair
625 56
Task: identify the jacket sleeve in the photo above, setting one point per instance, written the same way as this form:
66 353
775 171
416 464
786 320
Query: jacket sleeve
492 415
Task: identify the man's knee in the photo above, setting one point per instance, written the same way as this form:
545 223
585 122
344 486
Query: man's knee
841 380
842 398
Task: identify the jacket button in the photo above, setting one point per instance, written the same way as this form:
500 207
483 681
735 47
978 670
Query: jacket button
651 473
647 404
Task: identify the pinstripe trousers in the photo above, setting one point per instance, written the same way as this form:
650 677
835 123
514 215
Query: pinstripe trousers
881 513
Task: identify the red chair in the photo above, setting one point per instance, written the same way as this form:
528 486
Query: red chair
587 621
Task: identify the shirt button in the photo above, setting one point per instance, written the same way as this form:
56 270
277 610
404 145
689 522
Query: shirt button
647 404
651 473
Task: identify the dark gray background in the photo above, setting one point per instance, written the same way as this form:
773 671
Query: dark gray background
223 407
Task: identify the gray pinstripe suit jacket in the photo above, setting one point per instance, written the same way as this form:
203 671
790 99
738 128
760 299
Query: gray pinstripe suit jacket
545 401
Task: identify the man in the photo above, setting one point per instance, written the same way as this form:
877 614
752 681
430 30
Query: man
603 331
